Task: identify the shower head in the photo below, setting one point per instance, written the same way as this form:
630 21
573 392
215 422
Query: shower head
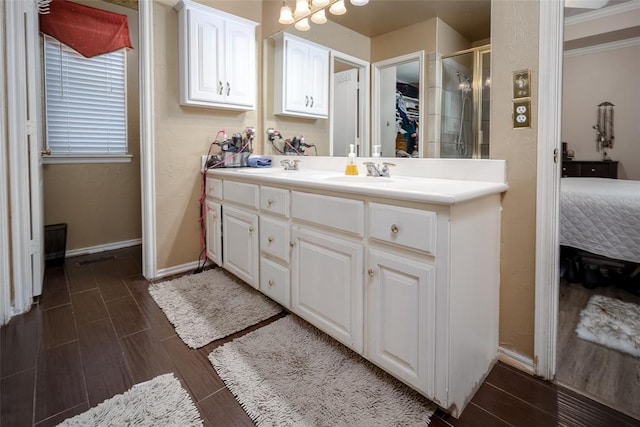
464 84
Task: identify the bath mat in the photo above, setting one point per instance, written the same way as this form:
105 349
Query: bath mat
612 323
211 305
290 374
161 401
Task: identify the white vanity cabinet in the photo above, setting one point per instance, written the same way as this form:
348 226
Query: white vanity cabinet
240 231
213 219
301 78
327 265
217 55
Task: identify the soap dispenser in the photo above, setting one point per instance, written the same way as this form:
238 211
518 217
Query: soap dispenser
352 168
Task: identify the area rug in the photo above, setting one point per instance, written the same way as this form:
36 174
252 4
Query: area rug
160 401
211 305
612 323
290 374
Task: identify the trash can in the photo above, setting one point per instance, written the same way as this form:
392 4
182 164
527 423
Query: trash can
55 244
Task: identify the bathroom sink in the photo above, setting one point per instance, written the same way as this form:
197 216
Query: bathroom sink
259 170
358 179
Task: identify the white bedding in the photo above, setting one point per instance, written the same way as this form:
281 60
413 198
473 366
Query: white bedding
601 216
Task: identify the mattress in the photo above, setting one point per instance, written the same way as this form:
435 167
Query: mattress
601 216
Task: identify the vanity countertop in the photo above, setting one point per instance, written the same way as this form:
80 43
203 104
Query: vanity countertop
410 188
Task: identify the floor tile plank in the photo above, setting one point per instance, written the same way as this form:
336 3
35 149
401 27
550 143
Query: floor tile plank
20 342
55 290
195 368
100 347
80 277
145 356
58 327
222 409
17 399
107 384
57 419
88 306
59 381
126 316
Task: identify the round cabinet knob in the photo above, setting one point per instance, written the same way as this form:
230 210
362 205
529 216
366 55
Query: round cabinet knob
593 170
292 244
370 271
250 229
270 239
269 202
270 282
394 228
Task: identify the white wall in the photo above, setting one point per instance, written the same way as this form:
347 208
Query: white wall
590 79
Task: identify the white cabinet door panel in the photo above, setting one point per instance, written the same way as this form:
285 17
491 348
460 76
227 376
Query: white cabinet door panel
205 41
327 285
240 244
213 227
401 318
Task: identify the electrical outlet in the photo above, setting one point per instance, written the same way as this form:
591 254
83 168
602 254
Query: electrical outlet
522 114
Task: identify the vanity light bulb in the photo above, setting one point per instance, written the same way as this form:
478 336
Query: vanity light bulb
302 8
320 3
338 8
286 17
303 25
359 2
319 17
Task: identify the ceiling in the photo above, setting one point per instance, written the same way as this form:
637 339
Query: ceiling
471 18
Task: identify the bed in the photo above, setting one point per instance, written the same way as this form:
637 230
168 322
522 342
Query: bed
601 216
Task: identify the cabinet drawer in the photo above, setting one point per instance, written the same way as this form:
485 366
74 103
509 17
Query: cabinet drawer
413 228
274 238
241 193
274 281
274 200
595 170
213 188
570 169
341 214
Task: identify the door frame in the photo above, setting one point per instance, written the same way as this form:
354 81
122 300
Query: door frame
5 277
547 282
363 100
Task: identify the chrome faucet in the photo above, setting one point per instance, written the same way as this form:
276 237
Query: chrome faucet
375 169
290 164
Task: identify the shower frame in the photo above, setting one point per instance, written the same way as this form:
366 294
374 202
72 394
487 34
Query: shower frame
476 82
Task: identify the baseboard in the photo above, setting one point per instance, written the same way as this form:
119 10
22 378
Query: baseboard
177 269
102 248
516 360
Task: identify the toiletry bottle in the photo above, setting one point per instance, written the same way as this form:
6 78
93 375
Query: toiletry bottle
376 151
352 168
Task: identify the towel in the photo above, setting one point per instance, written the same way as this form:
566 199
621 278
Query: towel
259 162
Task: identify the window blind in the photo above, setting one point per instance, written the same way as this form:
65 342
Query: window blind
85 101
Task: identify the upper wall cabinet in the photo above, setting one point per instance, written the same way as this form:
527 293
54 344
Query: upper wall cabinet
217 53
301 86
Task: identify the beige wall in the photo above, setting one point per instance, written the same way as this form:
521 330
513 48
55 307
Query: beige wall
591 79
449 40
101 202
514 36
183 135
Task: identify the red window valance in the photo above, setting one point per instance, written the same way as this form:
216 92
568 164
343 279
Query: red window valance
87 30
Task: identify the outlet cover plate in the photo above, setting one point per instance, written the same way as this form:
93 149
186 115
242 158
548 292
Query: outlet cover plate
521 113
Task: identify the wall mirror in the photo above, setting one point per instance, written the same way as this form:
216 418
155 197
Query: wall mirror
378 40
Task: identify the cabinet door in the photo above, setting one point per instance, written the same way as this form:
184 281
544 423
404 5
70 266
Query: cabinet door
400 318
240 64
326 288
240 244
213 227
205 47
297 81
317 82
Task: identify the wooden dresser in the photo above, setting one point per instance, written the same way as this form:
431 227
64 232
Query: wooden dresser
590 168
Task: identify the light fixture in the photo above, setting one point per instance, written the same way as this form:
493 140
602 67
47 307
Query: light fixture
286 17
338 8
320 3
359 2
303 25
319 17
302 9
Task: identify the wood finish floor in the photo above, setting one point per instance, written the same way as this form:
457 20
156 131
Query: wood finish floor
96 332
604 374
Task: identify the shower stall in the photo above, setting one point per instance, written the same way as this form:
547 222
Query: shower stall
466 91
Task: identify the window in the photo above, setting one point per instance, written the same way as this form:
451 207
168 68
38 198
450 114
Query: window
86 114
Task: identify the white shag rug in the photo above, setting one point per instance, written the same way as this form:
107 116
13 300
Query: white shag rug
159 402
612 323
289 374
211 305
